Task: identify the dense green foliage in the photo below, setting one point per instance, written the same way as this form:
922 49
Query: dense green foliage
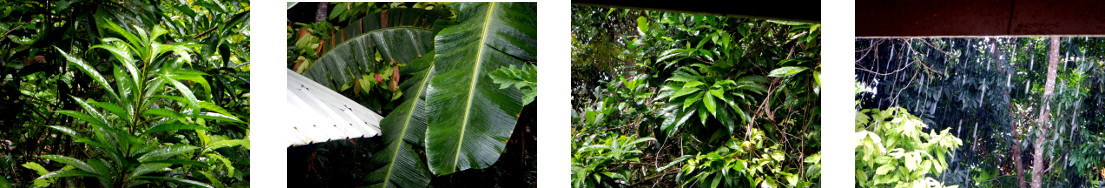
892 139
145 94
989 92
728 101
478 58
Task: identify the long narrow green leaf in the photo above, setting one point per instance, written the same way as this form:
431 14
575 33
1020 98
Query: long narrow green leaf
70 161
227 143
66 130
180 162
123 114
89 109
92 120
220 117
146 168
104 22
187 93
190 75
178 180
166 151
165 113
122 54
786 71
215 108
66 173
90 71
172 127
469 117
403 130
93 143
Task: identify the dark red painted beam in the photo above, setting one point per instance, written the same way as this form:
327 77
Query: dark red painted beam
876 18
802 10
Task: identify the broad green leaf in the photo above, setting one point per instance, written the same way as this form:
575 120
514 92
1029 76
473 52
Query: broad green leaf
397 35
684 91
708 100
469 118
356 56
792 179
524 78
786 71
817 77
769 183
90 71
884 168
403 130
692 99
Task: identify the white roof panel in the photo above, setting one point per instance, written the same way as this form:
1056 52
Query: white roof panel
317 114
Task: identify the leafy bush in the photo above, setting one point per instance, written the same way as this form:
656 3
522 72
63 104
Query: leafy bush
703 86
598 162
710 95
725 166
141 104
893 150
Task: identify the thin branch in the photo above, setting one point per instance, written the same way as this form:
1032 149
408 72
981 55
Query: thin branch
884 74
934 47
212 28
13 29
868 49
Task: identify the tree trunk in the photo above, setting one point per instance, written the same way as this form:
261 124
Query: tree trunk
1017 158
1045 112
320 13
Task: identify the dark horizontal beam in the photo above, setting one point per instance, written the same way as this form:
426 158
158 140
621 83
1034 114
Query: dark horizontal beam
809 11
879 18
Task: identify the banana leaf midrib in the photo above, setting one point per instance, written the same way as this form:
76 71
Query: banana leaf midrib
472 86
406 123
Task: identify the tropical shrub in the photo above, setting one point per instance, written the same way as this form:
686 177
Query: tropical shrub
596 162
704 87
726 166
893 150
147 98
124 93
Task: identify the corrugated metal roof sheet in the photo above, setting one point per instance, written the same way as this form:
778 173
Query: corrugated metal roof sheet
317 114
